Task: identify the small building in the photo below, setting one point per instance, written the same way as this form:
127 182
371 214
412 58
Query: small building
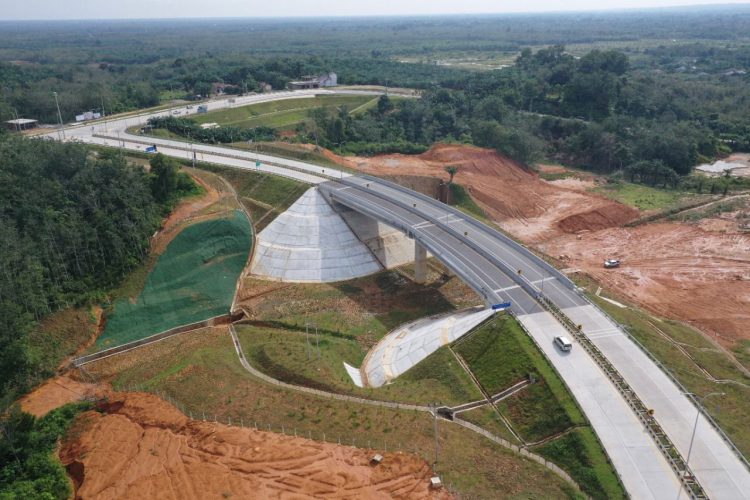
88 115
21 124
221 88
315 82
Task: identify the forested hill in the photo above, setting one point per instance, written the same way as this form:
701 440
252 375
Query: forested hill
71 225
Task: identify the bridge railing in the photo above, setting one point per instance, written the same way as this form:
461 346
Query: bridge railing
479 225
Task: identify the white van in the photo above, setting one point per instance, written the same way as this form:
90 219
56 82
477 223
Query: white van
563 343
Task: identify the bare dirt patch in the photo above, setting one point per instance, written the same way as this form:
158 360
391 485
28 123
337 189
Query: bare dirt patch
697 273
57 392
511 195
138 446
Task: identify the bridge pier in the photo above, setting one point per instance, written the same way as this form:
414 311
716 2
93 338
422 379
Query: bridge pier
420 263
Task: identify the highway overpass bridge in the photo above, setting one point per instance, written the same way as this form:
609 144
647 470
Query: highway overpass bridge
643 417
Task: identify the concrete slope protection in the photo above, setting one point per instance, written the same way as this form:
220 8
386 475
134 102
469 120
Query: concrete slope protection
193 280
407 345
501 270
311 243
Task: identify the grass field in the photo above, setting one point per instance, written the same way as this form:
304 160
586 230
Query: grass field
287 355
501 354
350 318
264 196
201 371
640 196
193 279
282 114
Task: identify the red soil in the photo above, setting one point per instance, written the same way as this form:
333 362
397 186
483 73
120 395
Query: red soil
138 446
513 196
692 272
687 272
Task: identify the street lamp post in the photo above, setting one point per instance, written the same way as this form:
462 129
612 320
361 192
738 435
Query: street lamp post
59 116
695 427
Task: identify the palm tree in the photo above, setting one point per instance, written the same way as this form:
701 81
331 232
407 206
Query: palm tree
452 170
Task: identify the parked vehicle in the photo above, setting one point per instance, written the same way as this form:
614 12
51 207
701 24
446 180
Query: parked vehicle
611 263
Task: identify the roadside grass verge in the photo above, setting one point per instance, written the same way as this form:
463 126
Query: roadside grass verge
200 370
464 202
317 362
500 354
660 336
580 454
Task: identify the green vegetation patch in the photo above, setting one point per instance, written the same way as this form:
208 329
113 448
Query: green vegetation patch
464 202
264 195
29 467
278 114
579 453
640 196
194 279
318 361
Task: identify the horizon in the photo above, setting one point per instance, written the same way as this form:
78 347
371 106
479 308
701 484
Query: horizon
536 7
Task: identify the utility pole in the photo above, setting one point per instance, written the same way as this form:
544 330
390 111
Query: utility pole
437 444
59 116
695 427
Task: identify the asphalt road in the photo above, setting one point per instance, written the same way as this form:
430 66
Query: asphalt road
490 263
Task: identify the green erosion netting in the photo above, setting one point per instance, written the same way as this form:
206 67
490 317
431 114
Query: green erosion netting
193 280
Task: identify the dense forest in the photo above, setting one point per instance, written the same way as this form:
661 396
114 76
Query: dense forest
72 224
592 112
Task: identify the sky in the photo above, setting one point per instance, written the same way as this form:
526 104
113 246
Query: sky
139 9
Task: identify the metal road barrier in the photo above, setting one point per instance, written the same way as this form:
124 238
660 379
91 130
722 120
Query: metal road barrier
667 447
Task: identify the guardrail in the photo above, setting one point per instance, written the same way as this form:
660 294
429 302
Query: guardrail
490 257
249 157
664 443
462 271
483 227
679 385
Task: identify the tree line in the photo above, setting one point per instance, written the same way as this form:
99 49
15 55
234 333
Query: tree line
72 225
594 112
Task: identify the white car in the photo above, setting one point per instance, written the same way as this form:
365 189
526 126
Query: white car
563 343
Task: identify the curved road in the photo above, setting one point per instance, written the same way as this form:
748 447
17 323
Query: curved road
490 263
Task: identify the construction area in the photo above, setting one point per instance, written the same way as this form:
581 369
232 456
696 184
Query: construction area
327 289
672 269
